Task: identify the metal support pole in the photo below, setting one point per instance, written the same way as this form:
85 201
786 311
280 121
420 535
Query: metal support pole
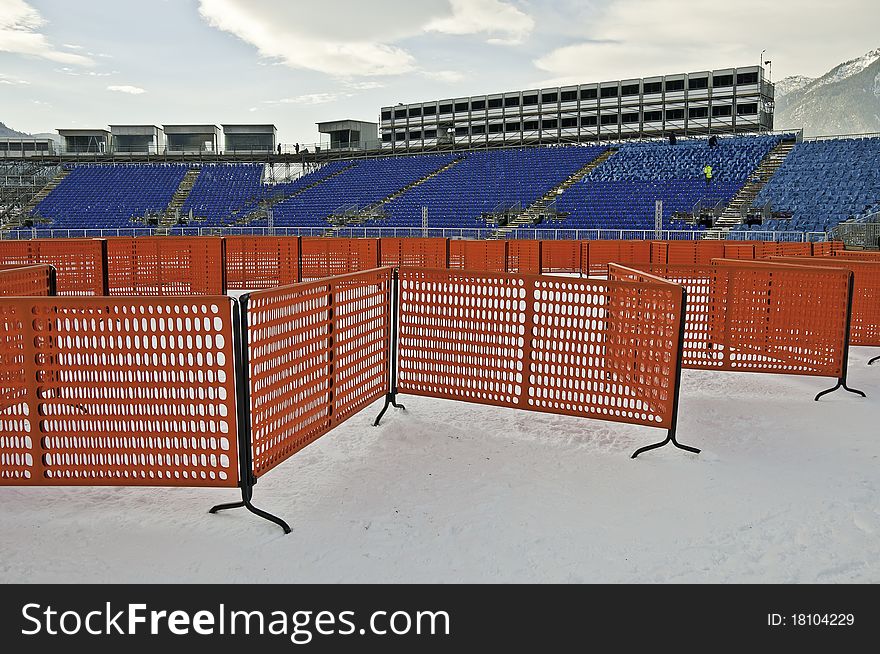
391 397
841 382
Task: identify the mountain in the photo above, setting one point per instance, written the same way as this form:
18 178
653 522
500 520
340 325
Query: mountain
845 100
8 132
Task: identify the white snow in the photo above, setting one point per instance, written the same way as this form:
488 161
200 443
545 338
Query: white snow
847 69
791 84
786 490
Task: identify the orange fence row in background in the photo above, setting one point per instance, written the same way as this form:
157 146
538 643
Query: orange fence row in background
762 316
80 263
258 262
416 252
561 257
329 257
523 257
487 256
20 281
598 254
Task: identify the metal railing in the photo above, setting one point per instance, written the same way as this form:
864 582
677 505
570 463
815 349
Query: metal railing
414 232
863 235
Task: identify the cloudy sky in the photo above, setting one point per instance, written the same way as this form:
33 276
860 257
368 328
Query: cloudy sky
91 63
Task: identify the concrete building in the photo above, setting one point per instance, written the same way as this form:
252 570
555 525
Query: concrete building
250 138
84 141
731 100
192 138
140 139
351 134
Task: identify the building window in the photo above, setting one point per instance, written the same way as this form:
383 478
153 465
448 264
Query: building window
415 112
568 96
429 111
720 81
386 115
386 137
722 111
531 126
747 109
400 136
698 112
512 101
675 114
400 113
652 87
445 108
696 83
495 103
530 100
588 121
629 89
478 129
549 97
609 92
653 116
478 105
674 85
430 133
588 94
461 131
609 119
569 122
630 118
550 123
415 136
496 128
511 127
461 107
747 78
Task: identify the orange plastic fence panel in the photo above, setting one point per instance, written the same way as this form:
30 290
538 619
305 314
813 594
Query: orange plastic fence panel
659 252
762 316
79 263
487 256
581 347
857 255
524 256
414 252
742 251
117 391
766 249
319 353
561 257
258 262
865 324
827 248
796 249
623 252
165 266
21 281
708 250
330 257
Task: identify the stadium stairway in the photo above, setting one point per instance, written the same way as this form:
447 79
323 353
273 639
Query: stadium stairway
540 205
732 214
170 215
271 201
367 211
46 190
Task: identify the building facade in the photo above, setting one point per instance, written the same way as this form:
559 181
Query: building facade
731 100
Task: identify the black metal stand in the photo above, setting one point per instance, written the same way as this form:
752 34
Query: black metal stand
841 382
670 435
871 362
391 396
243 422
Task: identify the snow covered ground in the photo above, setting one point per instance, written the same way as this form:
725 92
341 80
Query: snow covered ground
787 490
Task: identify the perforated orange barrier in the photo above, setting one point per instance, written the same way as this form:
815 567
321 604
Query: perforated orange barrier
258 262
165 266
524 257
741 251
488 256
319 352
761 316
561 256
414 252
579 347
22 281
121 391
601 253
827 248
865 324
79 263
857 255
329 257
686 252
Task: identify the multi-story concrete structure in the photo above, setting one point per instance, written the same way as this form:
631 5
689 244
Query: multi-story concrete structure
731 100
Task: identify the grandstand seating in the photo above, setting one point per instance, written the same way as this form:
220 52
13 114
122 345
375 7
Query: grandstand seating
221 189
823 183
109 196
620 194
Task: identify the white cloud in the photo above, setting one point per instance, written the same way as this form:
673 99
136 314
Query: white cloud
71 46
41 103
12 81
445 76
638 38
310 99
503 22
19 25
125 88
